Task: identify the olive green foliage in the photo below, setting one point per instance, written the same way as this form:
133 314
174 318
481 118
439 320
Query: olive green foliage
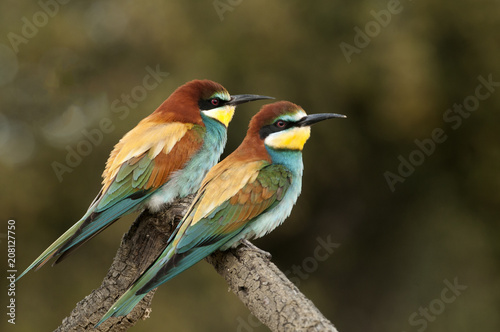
407 187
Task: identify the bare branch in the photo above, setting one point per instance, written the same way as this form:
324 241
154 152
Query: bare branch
267 292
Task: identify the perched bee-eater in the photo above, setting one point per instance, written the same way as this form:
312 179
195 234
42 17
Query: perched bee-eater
245 196
165 156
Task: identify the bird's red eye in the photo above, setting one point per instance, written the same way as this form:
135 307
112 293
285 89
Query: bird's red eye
281 124
214 101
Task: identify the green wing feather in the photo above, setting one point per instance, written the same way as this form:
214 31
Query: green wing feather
230 217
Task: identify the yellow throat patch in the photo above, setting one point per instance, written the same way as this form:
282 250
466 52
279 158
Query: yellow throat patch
291 139
221 114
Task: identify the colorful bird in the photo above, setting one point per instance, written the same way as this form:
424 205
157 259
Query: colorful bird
245 196
164 157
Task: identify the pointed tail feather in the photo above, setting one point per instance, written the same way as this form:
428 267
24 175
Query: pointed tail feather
126 303
95 223
52 249
165 267
85 229
123 306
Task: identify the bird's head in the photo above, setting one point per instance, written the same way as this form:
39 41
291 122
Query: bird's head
207 97
284 125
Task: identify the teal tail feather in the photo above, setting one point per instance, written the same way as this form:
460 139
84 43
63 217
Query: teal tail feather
52 249
85 229
123 306
165 267
126 303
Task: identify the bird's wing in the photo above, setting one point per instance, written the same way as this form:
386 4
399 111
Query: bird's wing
211 221
145 158
140 163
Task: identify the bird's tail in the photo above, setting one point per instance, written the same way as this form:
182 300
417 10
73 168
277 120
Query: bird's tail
52 249
126 303
169 264
85 229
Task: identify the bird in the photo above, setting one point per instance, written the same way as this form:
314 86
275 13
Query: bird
164 157
245 196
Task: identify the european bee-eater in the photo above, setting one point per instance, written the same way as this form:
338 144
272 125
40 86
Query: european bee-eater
245 196
164 157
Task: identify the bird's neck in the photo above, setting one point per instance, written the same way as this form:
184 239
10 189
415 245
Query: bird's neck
188 179
216 133
292 159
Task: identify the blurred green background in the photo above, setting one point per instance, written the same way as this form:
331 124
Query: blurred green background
396 80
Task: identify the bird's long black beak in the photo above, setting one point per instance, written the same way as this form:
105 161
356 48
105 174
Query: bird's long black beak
240 99
313 118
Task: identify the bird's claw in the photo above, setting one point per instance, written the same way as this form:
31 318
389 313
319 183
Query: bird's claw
247 245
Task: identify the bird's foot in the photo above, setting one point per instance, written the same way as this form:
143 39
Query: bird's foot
247 245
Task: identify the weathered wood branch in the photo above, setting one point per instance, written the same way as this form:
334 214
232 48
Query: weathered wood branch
259 284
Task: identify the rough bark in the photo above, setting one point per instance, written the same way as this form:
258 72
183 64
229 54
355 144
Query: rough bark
267 292
259 284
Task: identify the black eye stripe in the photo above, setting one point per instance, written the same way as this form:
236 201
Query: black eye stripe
274 127
207 104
